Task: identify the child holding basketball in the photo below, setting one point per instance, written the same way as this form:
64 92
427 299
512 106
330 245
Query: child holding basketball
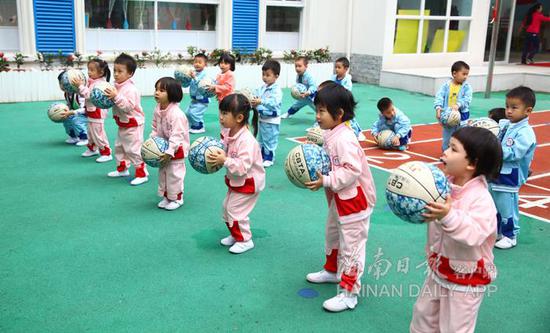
518 146
268 103
461 235
455 94
74 120
305 78
351 196
225 81
130 118
395 120
199 104
98 71
245 176
170 123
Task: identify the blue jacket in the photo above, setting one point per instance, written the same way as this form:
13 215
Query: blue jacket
400 124
463 101
272 99
518 147
307 80
194 87
345 82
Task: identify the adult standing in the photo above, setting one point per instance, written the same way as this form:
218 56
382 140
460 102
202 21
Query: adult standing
532 23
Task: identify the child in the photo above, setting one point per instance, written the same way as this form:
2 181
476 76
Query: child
98 71
130 118
268 103
456 94
225 82
305 78
518 146
245 176
393 119
351 196
170 124
74 120
461 235
199 104
497 114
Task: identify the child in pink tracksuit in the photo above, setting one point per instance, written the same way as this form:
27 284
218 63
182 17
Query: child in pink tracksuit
130 118
225 82
461 236
98 71
350 192
170 123
245 176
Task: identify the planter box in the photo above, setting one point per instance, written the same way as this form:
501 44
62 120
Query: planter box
31 86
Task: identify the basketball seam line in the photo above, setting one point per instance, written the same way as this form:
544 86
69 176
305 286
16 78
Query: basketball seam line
424 187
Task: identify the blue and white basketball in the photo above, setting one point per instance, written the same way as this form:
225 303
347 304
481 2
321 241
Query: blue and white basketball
183 75
297 90
203 85
66 78
384 139
413 185
487 123
152 149
98 96
303 162
450 118
199 150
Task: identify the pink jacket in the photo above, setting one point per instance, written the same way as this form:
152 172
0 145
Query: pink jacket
460 246
94 114
171 124
538 18
245 172
225 84
350 181
127 110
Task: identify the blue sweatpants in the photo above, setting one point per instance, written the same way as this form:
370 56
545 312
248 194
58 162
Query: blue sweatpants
195 114
269 138
298 104
507 204
76 126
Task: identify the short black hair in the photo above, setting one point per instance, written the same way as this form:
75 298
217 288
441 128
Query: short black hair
334 98
102 66
240 104
172 87
459 65
302 58
384 103
326 83
228 59
272 65
61 75
128 61
483 149
497 114
201 55
524 94
344 61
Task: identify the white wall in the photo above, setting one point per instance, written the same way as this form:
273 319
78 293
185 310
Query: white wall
324 23
369 27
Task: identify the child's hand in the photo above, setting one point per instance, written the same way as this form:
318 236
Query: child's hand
111 92
76 81
304 95
164 159
216 157
192 74
375 137
211 88
395 141
438 114
454 107
437 211
67 114
316 184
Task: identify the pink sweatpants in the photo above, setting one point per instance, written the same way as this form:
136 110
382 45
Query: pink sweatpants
171 179
236 208
128 146
345 249
439 309
97 136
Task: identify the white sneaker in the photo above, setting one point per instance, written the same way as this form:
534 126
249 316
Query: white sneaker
197 131
116 173
361 137
173 205
162 204
71 141
228 241
322 277
104 158
140 180
240 247
506 243
340 302
89 153
82 142
267 163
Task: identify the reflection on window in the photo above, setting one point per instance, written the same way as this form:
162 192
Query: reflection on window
408 4
406 36
285 19
185 16
461 8
436 7
8 13
436 34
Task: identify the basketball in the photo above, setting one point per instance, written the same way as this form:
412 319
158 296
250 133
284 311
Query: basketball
203 84
152 149
450 118
98 97
297 90
413 185
66 80
198 151
315 135
303 162
486 123
56 110
246 92
183 74
384 139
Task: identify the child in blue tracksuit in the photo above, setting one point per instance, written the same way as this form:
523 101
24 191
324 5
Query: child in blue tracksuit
305 78
456 94
75 121
518 147
199 104
393 119
268 103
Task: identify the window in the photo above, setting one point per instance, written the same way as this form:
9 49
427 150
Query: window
9 33
282 24
285 19
432 26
